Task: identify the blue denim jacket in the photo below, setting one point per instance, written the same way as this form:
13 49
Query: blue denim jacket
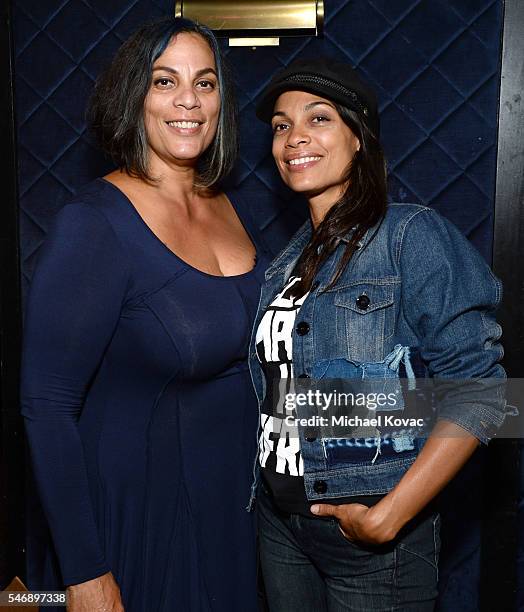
427 291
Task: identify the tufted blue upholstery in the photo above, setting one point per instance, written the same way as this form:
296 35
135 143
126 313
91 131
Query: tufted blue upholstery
435 64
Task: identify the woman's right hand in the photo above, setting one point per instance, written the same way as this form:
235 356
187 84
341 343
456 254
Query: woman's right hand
98 595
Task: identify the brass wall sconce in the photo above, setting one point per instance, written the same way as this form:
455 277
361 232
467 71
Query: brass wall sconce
255 22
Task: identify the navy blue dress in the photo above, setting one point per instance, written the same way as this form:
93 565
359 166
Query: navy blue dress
140 412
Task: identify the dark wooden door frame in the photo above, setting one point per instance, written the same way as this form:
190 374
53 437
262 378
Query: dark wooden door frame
12 468
500 525
508 240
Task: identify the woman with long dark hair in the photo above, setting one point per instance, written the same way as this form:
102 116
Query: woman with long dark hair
136 391
366 293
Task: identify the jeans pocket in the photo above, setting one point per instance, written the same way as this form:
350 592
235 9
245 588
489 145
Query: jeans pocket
423 540
341 536
337 536
361 547
436 536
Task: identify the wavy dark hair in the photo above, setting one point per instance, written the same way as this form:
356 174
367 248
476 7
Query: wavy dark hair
361 207
116 107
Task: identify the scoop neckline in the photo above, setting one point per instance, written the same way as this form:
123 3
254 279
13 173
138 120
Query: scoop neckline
177 257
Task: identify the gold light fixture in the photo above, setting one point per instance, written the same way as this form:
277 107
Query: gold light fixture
253 23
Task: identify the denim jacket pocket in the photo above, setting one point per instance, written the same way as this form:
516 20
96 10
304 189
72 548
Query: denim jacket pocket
365 317
366 443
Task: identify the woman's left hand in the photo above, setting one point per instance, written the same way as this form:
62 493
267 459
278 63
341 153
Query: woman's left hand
358 523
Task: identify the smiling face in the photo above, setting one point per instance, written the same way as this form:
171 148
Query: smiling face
182 107
312 146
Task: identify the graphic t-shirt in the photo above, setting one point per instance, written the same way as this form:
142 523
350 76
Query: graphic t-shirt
279 445
279 455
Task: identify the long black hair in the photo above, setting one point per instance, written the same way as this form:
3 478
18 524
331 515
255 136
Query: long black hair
361 207
116 109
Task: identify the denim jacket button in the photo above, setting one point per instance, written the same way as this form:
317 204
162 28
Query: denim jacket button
302 328
320 486
310 438
363 301
314 286
304 376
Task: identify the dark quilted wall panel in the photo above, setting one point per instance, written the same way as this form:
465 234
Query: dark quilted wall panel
435 64
60 47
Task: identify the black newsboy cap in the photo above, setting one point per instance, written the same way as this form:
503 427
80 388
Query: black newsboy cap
333 80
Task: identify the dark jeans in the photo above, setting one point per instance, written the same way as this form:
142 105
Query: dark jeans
308 565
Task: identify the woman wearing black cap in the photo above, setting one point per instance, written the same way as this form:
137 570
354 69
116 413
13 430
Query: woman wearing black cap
364 291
